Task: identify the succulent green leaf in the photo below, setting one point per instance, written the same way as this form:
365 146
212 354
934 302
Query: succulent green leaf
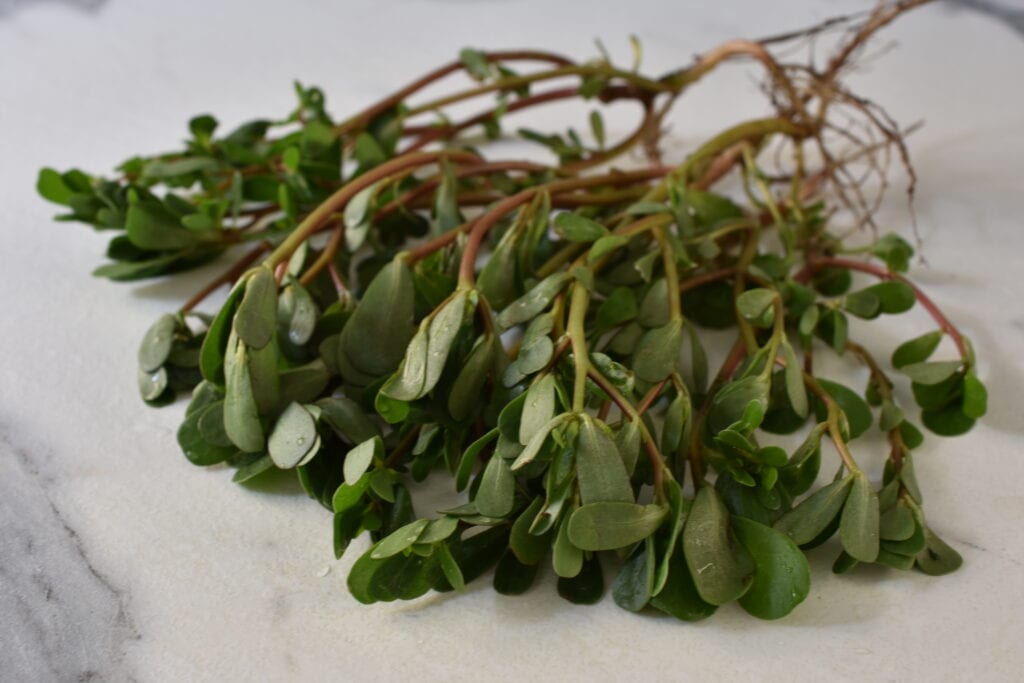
241 415
916 350
359 459
721 568
657 354
782 577
859 527
157 343
496 493
814 514
600 471
292 438
607 526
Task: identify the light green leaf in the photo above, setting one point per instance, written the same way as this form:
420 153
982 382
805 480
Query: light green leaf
359 459
292 438
399 539
256 317
534 301
241 416
529 548
600 471
538 409
407 384
931 373
157 342
577 228
795 389
566 558
607 526
496 494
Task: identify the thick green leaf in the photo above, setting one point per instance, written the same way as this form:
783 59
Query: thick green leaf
465 395
149 225
859 527
948 421
600 471
975 403
399 540
858 413
538 409
375 337
657 354
566 558
359 459
607 526
241 415
444 326
631 588
678 509
897 523
916 350
795 389
534 301
513 577
215 343
931 373
813 515
722 570
782 578
496 493
577 228
293 437
408 382
680 597
529 548
347 419
734 399
937 558
157 343
586 587
51 186
755 306
654 309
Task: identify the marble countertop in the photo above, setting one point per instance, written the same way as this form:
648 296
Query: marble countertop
121 561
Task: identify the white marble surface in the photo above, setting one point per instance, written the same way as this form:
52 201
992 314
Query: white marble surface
120 561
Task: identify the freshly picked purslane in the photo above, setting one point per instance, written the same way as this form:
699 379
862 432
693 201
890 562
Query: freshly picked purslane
405 306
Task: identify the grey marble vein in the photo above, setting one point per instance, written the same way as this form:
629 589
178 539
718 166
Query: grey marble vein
60 618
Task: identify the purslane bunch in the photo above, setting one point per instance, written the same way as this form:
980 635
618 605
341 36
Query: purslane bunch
406 306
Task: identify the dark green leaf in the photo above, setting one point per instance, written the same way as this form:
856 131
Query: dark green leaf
657 354
813 515
916 350
680 597
858 413
512 577
599 468
782 577
577 228
859 527
586 587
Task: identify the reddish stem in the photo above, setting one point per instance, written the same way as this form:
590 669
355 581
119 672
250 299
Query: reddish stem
885 274
229 276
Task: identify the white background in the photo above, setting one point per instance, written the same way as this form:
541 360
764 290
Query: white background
119 559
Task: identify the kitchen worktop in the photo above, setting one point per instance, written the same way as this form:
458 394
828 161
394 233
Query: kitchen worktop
121 561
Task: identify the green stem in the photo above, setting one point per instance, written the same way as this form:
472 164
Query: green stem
834 428
578 334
